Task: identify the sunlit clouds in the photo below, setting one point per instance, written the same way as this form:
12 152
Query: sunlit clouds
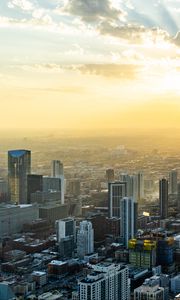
96 64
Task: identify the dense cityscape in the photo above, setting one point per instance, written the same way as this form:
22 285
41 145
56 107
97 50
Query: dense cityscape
99 220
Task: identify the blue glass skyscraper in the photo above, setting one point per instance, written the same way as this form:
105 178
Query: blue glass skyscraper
19 166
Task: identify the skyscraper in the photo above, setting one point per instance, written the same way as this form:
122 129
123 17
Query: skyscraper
85 239
178 197
34 184
110 175
57 171
173 182
66 229
116 192
140 186
163 198
19 166
57 168
128 220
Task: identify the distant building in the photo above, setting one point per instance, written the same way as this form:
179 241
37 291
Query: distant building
85 239
116 192
140 186
107 281
163 198
13 217
34 184
110 175
19 166
173 179
53 212
54 184
57 168
74 187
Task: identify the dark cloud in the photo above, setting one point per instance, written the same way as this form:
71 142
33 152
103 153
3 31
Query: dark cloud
176 39
122 71
129 32
92 10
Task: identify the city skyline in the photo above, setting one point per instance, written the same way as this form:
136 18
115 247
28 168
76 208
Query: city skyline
91 65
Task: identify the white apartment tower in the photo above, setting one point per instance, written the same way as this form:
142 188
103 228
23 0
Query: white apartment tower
85 239
128 220
106 282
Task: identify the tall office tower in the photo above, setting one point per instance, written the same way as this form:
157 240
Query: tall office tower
128 220
173 182
19 166
132 185
107 281
110 175
178 197
57 170
140 186
74 187
85 239
149 290
163 198
54 184
116 192
66 230
34 184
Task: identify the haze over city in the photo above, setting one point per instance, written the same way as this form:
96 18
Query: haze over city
92 65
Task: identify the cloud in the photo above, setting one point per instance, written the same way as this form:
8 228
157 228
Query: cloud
119 71
92 11
176 39
22 4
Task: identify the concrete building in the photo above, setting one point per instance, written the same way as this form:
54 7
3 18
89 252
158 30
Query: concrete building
116 192
57 171
19 166
85 239
13 217
53 212
66 230
150 290
107 281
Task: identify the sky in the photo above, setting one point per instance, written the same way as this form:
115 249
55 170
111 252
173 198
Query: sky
89 64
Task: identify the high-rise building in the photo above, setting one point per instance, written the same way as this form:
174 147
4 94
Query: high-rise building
140 186
74 187
19 166
163 198
57 171
132 185
66 229
128 219
110 175
85 239
142 253
54 184
149 290
107 281
173 182
34 184
57 168
178 197
116 192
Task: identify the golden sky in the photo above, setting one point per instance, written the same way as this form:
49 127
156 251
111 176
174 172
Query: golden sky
89 64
